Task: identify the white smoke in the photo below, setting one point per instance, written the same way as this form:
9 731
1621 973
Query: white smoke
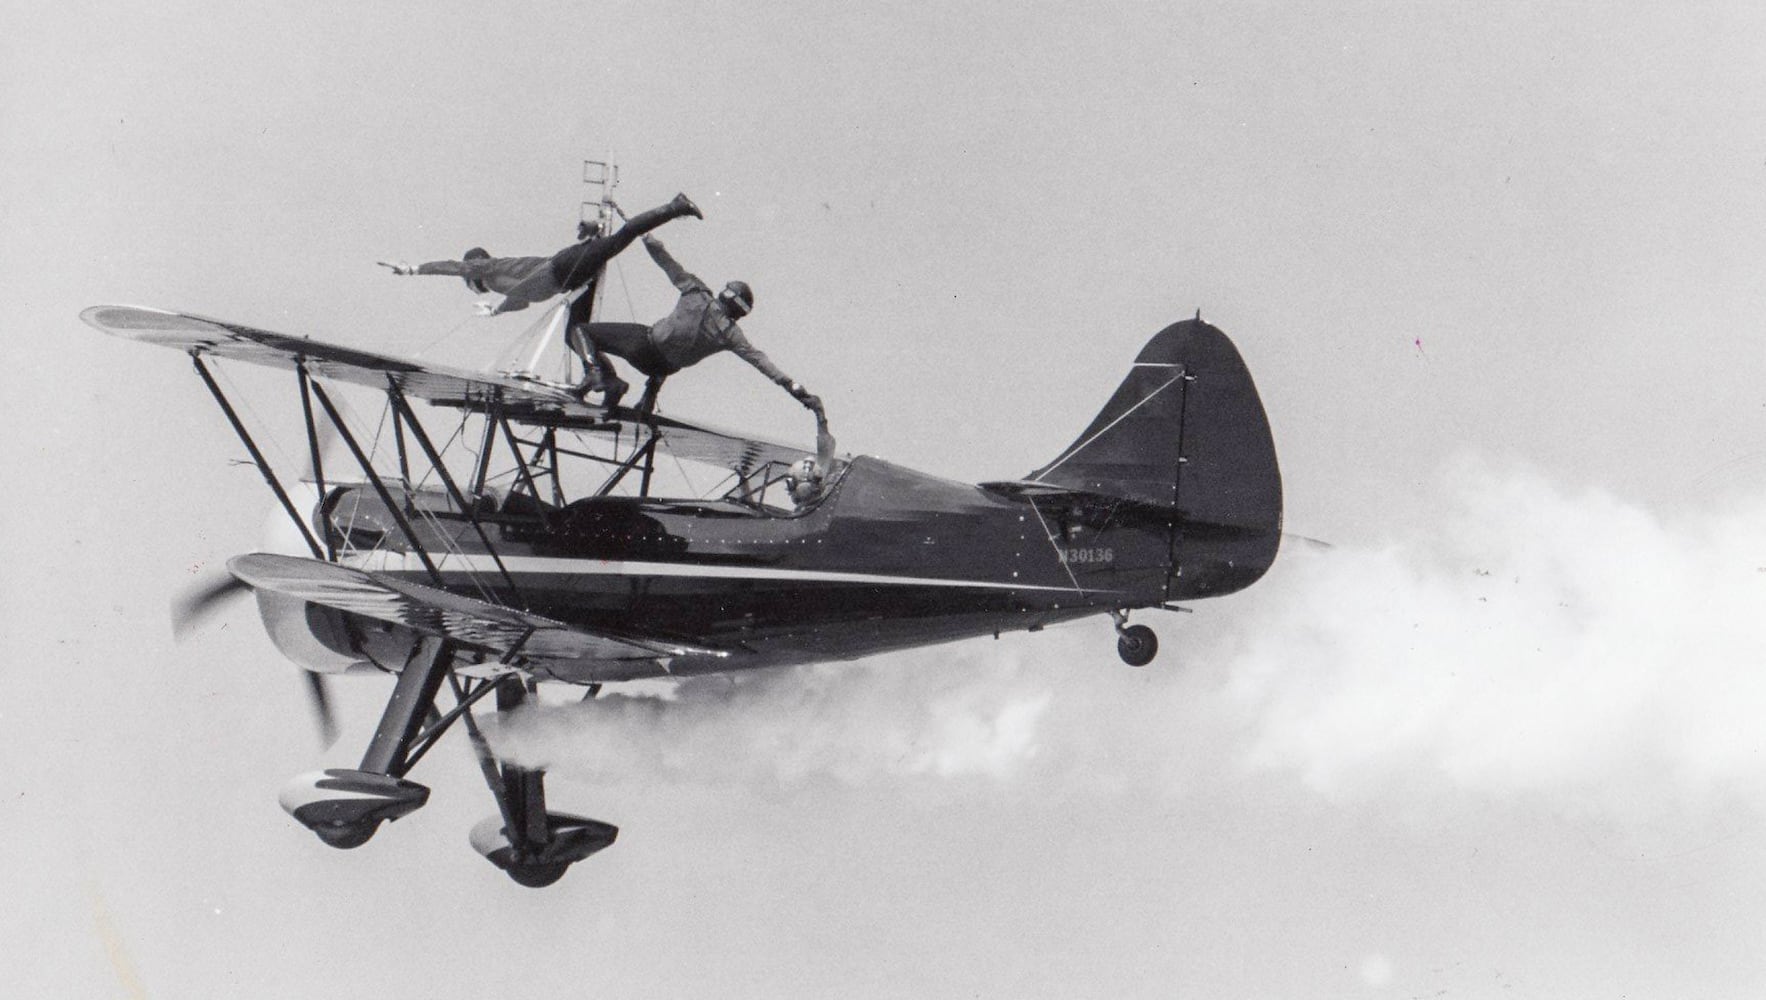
908 715
1532 640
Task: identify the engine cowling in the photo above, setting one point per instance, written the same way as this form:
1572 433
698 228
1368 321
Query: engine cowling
314 636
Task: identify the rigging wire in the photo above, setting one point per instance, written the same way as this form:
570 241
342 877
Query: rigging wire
451 544
631 310
691 489
448 334
244 402
1060 556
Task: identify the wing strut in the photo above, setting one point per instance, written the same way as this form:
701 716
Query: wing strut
401 406
398 515
489 441
520 463
306 410
644 453
257 456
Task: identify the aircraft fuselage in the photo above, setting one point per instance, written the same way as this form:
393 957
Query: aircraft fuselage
888 558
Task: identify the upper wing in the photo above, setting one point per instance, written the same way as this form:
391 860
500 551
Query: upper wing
518 399
465 620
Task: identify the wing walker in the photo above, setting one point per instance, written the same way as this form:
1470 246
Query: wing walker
540 541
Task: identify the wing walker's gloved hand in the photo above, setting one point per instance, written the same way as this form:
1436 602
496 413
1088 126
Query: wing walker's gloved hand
484 307
398 267
804 396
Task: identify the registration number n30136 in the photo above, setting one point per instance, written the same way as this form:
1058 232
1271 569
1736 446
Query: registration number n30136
1088 554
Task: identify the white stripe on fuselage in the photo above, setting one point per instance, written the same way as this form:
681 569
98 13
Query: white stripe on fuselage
475 563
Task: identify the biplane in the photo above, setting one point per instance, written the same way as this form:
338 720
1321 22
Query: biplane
536 544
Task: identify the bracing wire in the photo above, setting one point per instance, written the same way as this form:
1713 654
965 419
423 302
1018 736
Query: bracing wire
631 309
446 335
244 402
451 545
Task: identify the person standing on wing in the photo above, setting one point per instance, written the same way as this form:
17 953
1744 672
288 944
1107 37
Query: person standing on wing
702 324
523 281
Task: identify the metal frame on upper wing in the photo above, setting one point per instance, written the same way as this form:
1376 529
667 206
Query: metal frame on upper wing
520 400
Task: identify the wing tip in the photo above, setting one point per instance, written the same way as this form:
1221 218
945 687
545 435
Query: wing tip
150 324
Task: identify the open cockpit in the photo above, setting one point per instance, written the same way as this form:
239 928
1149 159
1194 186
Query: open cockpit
354 517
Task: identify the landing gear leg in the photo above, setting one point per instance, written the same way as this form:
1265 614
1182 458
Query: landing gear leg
533 846
1136 644
345 807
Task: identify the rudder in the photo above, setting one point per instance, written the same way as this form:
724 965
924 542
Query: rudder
1186 431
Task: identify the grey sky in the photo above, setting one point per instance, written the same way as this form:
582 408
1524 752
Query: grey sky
1530 234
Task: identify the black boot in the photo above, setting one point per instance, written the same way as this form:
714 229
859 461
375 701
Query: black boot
683 205
615 389
647 402
593 381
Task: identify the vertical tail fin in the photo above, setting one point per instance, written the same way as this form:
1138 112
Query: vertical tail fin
1186 431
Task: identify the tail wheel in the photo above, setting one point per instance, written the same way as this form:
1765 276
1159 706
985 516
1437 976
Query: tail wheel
1137 645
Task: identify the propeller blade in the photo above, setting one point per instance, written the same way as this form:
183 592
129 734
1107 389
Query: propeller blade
321 699
199 601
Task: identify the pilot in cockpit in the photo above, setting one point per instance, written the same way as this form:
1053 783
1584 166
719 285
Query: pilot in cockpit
808 477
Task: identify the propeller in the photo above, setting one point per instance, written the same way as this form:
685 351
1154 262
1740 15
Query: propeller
196 604
318 693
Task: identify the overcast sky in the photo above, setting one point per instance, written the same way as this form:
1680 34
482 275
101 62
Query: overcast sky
1495 268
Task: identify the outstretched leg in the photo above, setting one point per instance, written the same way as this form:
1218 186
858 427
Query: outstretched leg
573 266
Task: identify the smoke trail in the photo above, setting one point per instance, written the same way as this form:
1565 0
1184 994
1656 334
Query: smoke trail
910 715
1530 641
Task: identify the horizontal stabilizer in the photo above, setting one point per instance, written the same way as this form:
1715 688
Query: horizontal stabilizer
1030 489
465 620
1088 506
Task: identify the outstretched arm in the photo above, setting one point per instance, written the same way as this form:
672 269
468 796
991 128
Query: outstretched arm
739 345
456 268
678 276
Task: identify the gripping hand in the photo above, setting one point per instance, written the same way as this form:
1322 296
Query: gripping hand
398 266
804 396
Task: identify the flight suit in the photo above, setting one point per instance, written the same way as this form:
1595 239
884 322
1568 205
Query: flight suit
695 329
